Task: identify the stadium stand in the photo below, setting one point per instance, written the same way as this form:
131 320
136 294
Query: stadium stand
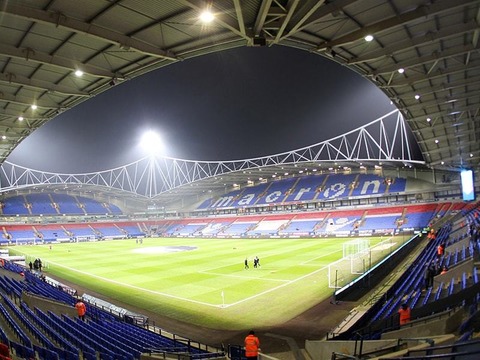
214 227
46 204
107 231
41 204
66 204
314 223
15 205
276 192
299 227
307 188
249 196
49 233
79 231
20 234
448 306
54 334
91 206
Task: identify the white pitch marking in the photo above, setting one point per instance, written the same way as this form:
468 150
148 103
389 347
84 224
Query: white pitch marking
190 300
318 257
136 287
275 288
242 276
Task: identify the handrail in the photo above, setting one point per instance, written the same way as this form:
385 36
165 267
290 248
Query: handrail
345 356
431 342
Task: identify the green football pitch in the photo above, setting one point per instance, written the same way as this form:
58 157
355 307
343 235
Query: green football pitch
203 281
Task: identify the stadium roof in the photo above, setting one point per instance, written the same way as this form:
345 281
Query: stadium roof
43 44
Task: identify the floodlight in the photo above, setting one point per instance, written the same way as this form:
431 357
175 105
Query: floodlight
152 142
207 16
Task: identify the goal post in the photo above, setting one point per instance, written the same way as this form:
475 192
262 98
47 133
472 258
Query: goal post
358 258
355 253
338 272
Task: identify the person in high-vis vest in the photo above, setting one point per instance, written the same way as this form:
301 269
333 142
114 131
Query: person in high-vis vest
81 309
252 346
405 314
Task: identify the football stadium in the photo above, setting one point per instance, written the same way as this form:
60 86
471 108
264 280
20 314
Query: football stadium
364 245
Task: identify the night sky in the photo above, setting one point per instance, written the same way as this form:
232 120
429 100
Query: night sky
235 104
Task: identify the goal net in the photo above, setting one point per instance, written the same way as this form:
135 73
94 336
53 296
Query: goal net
353 262
358 258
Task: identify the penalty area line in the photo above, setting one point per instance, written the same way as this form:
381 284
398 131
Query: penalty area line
241 276
319 257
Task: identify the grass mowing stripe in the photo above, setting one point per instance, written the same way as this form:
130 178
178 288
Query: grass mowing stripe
278 287
188 285
130 285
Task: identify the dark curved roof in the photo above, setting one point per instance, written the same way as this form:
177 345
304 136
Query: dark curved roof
43 43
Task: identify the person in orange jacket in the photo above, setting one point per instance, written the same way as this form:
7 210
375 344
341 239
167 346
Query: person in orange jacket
252 346
405 314
81 309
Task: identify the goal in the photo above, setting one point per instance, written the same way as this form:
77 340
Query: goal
354 262
358 258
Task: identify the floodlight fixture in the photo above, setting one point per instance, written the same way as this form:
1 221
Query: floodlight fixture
368 38
152 143
207 16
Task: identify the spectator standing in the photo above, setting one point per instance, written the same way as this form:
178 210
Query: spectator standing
405 314
252 346
471 231
81 309
428 276
440 250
